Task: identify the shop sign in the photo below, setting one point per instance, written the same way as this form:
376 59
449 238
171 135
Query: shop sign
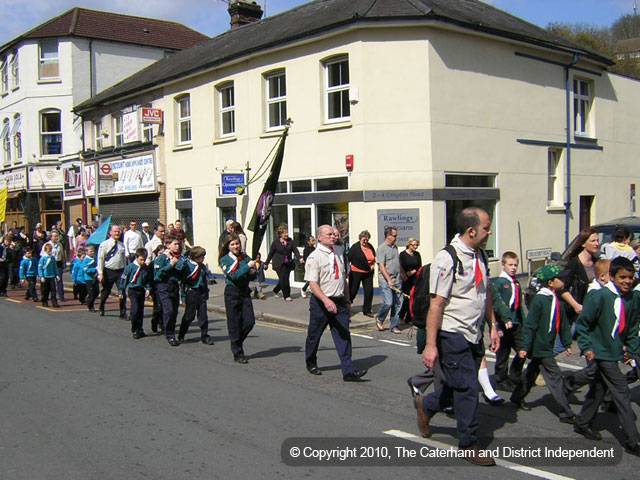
16 179
72 183
130 127
231 182
151 115
89 180
132 175
46 178
406 220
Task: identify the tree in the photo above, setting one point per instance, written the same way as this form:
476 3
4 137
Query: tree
590 36
626 27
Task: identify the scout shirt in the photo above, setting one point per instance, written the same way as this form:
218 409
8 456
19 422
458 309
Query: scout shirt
111 256
77 275
47 267
28 268
195 275
603 329
326 268
464 310
164 272
89 268
511 293
546 316
236 269
134 276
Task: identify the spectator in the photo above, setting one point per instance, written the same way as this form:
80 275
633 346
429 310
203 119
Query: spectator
237 229
228 225
281 252
362 256
181 235
132 241
146 234
389 280
410 263
308 248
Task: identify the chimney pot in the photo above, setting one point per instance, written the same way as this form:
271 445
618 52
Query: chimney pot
243 13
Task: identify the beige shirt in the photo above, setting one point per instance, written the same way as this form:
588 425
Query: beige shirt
464 309
320 267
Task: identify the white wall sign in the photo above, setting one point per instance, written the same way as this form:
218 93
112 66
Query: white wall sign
72 183
89 180
130 127
16 179
132 175
45 178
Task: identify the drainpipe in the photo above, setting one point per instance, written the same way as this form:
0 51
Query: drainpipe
567 204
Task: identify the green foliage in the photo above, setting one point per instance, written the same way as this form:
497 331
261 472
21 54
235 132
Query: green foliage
627 26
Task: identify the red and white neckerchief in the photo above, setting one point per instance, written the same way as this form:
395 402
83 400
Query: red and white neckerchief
236 262
193 275
477 270
618 310
332 259
514 301
134 279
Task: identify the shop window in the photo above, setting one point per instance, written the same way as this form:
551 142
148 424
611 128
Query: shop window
455 207
299 186
282 187
49 60
337 106
51 132
336 215
226 213
276 100
330 184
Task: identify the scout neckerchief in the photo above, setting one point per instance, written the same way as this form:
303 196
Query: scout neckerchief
112 251
236 262
332 259
554 316
477 270
618 310
134 279
193 275
514 301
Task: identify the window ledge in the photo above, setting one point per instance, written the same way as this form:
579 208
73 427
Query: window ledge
4 94
181 148
13 89
335 126
272 133
583 138
49 80
556 208
219 141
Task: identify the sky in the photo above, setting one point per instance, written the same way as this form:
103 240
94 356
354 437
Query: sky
211 18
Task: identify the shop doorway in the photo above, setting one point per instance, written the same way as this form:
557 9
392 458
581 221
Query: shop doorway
301 226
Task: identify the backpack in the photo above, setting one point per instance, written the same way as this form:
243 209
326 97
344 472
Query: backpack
420 298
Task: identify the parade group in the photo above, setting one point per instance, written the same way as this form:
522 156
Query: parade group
591 299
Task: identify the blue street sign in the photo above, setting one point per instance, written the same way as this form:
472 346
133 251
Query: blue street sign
231 181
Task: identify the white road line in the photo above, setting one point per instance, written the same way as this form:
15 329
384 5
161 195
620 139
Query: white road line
501 463
491 357
396 343
361 336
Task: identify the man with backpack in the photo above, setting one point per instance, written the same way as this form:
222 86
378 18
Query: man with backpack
460 302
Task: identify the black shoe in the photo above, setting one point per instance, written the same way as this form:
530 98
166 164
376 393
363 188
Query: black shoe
139 334
355 376
633 449
497 400
587 432
92 310
314 370
55 304
45 304
414 390
101 313
522 405
570 420
173 341
608 407
242 360
123 317
370 315
505 385
181 338
35 299
207 340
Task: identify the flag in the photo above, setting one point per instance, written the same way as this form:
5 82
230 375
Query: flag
4 194
101 233
260 219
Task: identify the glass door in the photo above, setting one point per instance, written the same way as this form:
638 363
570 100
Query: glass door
301 226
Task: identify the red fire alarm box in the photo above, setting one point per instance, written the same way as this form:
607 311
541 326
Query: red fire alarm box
348 163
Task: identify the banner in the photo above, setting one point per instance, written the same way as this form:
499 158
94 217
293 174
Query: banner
4 194
260 219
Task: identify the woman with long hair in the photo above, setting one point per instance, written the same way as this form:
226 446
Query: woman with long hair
581 268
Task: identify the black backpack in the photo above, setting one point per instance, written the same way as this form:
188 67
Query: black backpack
420 298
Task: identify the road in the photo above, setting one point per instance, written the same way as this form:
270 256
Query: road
82 400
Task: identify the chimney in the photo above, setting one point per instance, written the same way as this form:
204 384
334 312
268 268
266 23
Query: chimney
243 13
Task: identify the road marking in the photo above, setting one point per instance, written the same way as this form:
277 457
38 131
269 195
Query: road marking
491 357
500 462
12 300
396 343
361 336
279 326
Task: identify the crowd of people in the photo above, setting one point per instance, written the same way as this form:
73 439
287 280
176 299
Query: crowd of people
591 300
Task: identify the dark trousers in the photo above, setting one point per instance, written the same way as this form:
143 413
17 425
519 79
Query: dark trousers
283 281
355 278
459 362
14 275
608 375
319 318
4 277
109 279
405 310
81 289
48 287
553 378
240 317
168 294
59 284
92 293
509 341
156 316
136 297
195 304
32 292
582 377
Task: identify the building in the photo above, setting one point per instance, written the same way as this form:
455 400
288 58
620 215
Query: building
404 112
43 74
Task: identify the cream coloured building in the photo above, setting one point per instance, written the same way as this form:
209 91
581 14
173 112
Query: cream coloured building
436 105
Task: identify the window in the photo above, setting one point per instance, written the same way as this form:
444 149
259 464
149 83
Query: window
184 119
51 132
276 93
16 135
49 67
4 76
337 89
147 132
6 144
300 186
555 178
469 194
227 107
118 130
15 70
97 135
334 183
581 106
